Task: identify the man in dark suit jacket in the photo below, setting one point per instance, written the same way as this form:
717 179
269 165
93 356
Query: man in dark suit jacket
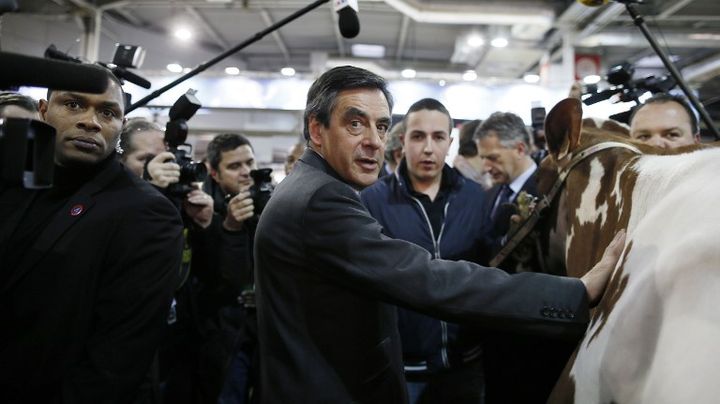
325 273
504 144
519 369
87 268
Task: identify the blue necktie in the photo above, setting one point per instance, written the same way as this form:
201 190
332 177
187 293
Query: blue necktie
502 198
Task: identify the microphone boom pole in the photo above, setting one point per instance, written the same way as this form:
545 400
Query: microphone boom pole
204 66
639 21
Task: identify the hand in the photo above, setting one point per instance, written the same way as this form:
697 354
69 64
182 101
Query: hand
199 207
597 278
240 208
163 170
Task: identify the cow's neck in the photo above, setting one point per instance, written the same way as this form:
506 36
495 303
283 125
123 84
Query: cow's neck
598 199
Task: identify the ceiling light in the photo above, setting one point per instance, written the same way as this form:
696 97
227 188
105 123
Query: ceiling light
183 34
441 83
174 67
408 73
186 69
287 71
499 42
469 75
233 71
361 50
591 79
531 78
475 40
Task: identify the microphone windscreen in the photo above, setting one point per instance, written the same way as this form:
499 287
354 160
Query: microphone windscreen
348 22
593 3
21 70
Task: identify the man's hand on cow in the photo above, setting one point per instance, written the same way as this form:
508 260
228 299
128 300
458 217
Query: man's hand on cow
240 208
163 170
597 278
199 207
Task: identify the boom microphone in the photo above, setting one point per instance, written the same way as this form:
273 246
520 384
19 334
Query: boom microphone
21 70
348 20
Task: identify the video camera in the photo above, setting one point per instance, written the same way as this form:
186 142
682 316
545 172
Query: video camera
27 153
176 131
626 89
262 188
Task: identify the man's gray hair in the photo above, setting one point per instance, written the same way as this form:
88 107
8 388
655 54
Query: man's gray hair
393 140
508 127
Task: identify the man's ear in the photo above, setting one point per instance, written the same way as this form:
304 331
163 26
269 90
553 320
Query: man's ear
215 175
562 127
315 130
42 108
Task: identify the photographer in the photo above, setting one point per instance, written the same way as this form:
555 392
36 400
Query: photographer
227 292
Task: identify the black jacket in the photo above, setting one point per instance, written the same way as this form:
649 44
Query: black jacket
430 345
326 277
85 307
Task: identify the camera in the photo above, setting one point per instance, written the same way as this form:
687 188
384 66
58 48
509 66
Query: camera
262 188
176 131
626 89
27 153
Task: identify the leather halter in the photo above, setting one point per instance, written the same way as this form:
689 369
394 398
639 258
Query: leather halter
546 201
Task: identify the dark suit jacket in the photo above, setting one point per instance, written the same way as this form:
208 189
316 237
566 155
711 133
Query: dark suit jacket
519 369
325 275
83 312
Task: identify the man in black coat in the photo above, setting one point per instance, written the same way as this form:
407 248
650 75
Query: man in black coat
325 273
87 268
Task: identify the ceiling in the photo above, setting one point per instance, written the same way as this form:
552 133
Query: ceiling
431 36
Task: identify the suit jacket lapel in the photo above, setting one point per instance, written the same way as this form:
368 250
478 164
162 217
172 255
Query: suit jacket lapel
75 210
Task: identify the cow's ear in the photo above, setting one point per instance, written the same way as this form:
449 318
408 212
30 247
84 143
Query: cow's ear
562 127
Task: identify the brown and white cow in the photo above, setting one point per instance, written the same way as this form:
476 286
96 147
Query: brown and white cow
655 336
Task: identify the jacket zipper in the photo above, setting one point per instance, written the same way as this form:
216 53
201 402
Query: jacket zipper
436 247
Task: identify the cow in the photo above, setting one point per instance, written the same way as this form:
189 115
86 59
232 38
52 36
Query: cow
653 338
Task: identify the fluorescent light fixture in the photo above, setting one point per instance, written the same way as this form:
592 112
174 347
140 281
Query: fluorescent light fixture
362 50
475 40
470 75
531 78
174 67
591 79
232 70
499 42
441 83
408 73
183 34
287 71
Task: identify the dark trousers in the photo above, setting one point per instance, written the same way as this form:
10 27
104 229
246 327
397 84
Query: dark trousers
460 385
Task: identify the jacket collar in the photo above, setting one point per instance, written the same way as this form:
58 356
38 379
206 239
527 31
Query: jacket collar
316 160
450 178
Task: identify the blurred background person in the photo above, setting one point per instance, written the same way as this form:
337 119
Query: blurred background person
468 161
295 152
393 149
16 105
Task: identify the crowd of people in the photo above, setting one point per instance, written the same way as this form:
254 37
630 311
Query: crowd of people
364 278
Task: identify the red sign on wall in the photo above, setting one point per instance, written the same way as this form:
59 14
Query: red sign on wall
586 65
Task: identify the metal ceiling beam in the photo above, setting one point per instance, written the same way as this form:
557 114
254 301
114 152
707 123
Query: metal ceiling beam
207 27
675 7
402 38
275 34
